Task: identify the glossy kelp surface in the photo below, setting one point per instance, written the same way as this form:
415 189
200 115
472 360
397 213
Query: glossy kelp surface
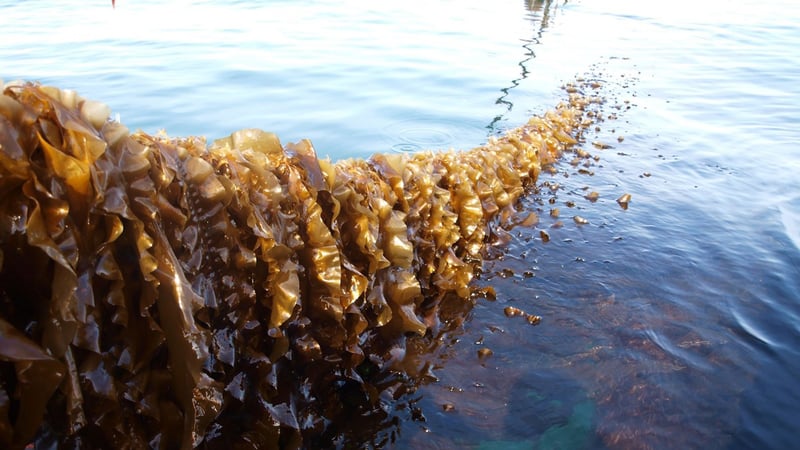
159 292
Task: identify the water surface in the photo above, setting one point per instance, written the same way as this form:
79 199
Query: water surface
672 324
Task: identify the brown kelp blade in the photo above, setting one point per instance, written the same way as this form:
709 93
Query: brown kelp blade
164 292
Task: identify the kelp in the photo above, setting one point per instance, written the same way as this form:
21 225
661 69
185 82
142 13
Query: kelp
160 292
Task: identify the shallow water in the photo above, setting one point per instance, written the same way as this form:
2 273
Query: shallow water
672 324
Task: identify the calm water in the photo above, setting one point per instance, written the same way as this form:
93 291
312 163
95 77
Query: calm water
672 324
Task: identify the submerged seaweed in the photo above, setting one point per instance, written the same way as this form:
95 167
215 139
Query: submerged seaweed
168 293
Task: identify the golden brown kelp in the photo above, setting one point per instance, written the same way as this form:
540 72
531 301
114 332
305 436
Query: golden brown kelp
165 293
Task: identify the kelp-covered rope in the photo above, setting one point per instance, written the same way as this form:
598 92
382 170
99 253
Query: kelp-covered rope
159 292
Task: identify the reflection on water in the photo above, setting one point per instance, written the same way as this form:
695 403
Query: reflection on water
540 17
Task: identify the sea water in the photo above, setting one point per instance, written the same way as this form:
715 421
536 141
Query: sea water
674 323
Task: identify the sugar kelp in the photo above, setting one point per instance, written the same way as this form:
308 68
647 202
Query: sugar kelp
168 293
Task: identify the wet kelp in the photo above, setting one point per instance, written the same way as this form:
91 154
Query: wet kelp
159 292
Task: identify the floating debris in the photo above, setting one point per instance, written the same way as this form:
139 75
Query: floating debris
601 145
544 235
506 273
530 220
511 311
623 200
484 353
580 220
486 292
592 196
533 320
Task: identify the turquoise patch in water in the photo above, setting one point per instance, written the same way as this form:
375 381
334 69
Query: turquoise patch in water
575 434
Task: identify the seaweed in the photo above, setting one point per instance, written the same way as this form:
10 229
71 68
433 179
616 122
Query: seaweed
167 292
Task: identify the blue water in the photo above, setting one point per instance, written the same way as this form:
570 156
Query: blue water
672 324
356 77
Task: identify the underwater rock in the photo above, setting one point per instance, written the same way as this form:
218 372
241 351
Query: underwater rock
159 292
